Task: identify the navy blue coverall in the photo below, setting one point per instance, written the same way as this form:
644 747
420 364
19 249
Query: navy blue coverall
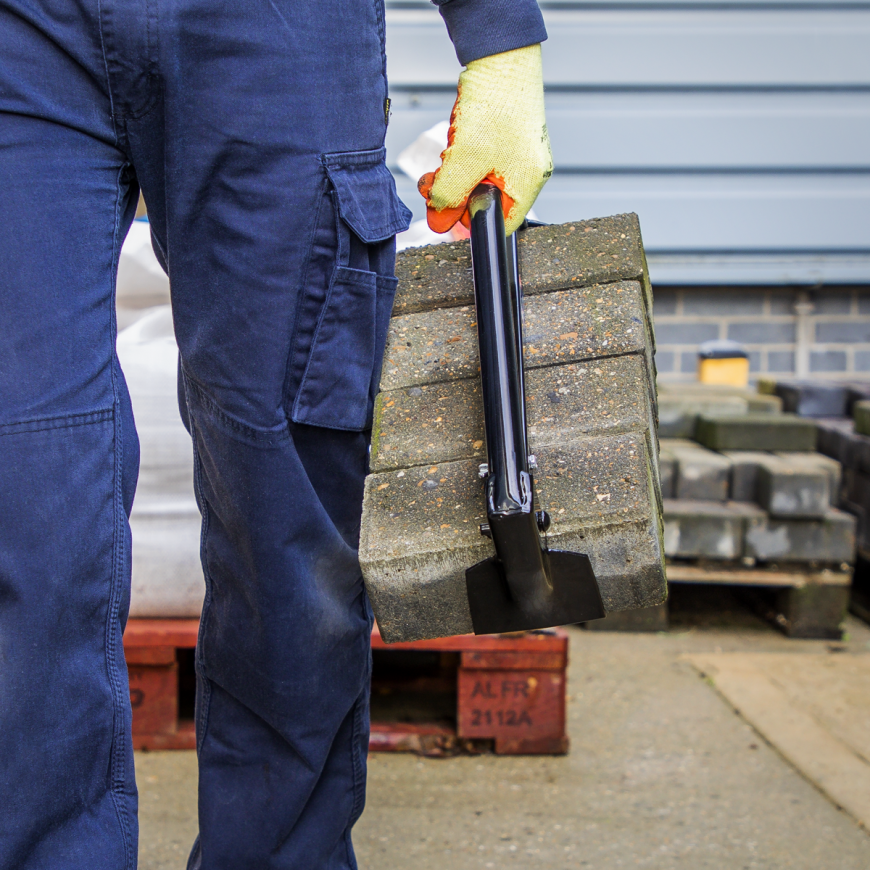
255 130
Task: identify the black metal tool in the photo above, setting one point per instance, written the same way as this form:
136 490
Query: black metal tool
525 585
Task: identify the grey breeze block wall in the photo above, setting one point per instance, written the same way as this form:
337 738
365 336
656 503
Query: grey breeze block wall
791 332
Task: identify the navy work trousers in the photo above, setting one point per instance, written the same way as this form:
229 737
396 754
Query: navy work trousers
256 131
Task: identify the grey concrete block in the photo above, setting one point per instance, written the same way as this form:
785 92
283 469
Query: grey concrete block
707 530
701 474
862 360
820 463
827 361
780 360
667 472
833 437
685 333
560 327
421 531
551 258
756 432
829 540
813 398
678 414
762 332
718 301
443 422
591 411
854 331
744 473
792 487
861 416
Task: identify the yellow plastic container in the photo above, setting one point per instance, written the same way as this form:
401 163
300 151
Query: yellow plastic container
723 362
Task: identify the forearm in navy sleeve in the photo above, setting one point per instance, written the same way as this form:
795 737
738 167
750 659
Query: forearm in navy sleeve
480 28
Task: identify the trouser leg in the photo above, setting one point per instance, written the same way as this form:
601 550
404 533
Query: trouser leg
68 460
263 169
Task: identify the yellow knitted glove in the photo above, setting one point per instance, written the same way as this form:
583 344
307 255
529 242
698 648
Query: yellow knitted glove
498 133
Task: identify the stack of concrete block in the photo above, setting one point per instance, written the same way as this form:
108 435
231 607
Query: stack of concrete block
848 442
753 488
590 393
680 406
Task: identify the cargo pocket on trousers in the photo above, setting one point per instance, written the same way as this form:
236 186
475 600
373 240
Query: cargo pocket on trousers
340 378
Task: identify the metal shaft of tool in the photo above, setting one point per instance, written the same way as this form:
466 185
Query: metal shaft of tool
509 493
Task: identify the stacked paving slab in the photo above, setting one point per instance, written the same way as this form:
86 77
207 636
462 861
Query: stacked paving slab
591 413
746 483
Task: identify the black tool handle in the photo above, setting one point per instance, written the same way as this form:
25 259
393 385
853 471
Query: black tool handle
499 331
525 585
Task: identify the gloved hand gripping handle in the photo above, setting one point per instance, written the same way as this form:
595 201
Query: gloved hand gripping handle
525 586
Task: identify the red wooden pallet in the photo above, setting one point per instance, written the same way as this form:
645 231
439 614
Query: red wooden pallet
509 691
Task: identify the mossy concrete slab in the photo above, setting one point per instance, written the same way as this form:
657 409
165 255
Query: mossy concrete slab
770 432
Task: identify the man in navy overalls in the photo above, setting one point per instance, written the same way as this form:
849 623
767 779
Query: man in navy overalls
255 131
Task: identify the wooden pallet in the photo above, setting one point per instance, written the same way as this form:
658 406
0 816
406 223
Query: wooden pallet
507 692
803 603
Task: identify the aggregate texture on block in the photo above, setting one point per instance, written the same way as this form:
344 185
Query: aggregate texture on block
580 254
421 530
591 410
444 421
559 327
757 432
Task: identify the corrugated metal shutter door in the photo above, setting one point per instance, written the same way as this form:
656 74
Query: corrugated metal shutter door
740 133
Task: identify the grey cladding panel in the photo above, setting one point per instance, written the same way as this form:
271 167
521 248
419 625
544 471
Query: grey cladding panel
719 130
664 47
715 212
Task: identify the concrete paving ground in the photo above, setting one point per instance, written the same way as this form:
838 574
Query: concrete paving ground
662 773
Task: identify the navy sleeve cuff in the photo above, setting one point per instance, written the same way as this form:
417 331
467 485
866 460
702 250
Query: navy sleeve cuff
479 28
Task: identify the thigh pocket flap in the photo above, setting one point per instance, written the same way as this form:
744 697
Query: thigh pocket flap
339 381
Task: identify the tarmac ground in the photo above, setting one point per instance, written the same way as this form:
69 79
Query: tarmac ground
663 771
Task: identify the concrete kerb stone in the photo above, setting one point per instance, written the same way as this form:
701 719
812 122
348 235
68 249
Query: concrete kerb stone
701 474
790 487
769 432
744 473
828 540
707 530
